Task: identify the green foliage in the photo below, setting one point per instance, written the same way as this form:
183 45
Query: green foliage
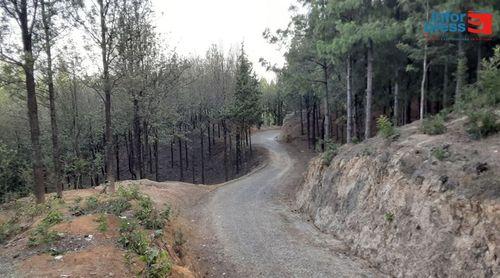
246 110
102 221
484 93
15 177
133 237
91 203
148 215
8 229
331 150
167 212
157 262
129 193
53 217
482 123
116 206
433 125
41 234
389 217
440 153
385 128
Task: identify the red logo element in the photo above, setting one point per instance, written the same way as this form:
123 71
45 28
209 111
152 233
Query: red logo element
480 23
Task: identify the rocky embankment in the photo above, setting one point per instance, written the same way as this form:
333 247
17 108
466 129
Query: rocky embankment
418 206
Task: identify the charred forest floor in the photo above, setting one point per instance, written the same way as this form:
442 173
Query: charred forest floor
169 166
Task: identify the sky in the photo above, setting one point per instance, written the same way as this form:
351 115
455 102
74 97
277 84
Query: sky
192 26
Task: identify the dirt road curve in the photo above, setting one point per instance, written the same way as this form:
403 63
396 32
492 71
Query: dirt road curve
249 231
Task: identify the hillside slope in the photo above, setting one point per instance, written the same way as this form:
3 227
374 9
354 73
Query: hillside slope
421 206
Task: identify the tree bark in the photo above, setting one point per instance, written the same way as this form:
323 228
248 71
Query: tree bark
396 98
56 152
445 84
422 84
28 67
349 101
460 74
137 139
326 135
369 90
181 163
202 157
110 178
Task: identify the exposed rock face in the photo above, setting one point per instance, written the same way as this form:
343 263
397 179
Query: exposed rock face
407 212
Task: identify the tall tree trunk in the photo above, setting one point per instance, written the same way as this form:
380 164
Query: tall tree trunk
313 139
327 106
138 142
396 98
181 163
301 117
37 162
172 153
155 150
369 90
422 84
107 98
117 157
461 70
308 115
349 101
202 156
226 176
131 155
56 152
238 150
445 84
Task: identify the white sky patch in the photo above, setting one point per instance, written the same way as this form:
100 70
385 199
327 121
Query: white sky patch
192 26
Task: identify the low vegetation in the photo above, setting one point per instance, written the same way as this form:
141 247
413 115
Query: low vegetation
434 125
385 128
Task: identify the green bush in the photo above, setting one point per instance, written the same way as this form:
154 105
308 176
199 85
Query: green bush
8 229
331 150
148 215
385 128
91 203
157 262
102 221
440 153
389 217
433 125
130 193
115 206
133 237
15 175
482 123
54 217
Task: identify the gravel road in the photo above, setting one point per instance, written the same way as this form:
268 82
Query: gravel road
246 229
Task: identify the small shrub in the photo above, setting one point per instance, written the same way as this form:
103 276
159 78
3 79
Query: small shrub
331 150
9 229
482 123
115 206
54 217
385 128
102 221
42 235
167 211
133 238
130 193
148 215
157 262
389 217
91 203
440 153
433 125
179 239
